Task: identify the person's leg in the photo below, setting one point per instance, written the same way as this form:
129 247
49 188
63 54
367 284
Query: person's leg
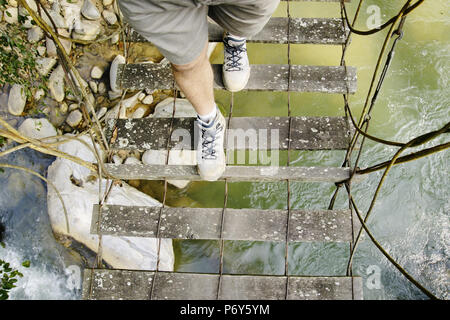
179 30
240 19
195 79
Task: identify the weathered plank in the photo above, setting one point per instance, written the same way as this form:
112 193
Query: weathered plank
302 31
232 173
185 286
134 285
239 224
244 133
117 284
326 79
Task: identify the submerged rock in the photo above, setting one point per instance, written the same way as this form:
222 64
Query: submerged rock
135 253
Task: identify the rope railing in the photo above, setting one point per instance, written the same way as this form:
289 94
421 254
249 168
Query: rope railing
396 29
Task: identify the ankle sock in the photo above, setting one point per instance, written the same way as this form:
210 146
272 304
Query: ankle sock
236 38
210 116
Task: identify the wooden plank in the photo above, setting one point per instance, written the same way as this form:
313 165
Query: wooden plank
232 173
185 286
302 31
117 284
252 288
325 79
244 133
320 288
239 224
251 133
136 285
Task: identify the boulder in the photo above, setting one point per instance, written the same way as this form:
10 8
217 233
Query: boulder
133 253
37 129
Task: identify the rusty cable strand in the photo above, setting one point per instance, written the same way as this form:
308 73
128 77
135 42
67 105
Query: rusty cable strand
288 184
225 202
403 12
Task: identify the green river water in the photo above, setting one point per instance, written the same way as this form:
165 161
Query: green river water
411 217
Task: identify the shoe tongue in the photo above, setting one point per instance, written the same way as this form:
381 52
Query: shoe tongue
234 42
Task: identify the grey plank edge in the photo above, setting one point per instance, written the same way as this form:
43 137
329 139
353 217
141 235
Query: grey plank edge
329 31
133 285
239 224
263 77
232 173
244 133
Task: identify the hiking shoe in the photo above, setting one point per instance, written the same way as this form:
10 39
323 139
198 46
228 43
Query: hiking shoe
210 154
236 68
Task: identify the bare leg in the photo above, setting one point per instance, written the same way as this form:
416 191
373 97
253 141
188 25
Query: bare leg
195 79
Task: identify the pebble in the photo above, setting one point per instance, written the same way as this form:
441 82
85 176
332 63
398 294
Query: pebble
56 84
96 72
116 159
93 85
101 88
101 112
139 112
148 99
86 30
89 10
17 100
39 94
63 108
73 106
109 16
74 118
132 160
107 2
11 16
44 65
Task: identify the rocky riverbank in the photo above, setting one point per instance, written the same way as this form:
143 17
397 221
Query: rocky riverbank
50 109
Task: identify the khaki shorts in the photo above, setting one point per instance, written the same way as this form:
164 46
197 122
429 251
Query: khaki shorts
179 28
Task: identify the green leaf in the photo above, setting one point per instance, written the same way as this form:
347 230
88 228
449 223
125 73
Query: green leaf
26 263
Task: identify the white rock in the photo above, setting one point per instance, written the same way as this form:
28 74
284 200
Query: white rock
71 11
74 118
141 96
39 94
96 72
56 16
116 159
56 84
148 99
118 60
131 102
139 112
115 38
101 88
176 157
132 160
27 24
37 129
73 106
11 15
86 30
89 10
133 253
16 100
114 94
183 108
109 16
63 107
41 50
93 85
35 34
101 112
12 3
44 65
31 4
